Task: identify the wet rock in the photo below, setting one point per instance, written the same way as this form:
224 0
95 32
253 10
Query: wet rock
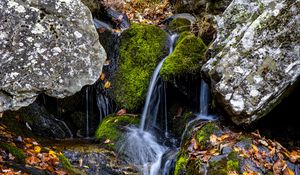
179 22
255 58
200 6
42 123
111 130
95 160
215 150
49 47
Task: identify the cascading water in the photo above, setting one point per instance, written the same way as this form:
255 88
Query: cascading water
140 146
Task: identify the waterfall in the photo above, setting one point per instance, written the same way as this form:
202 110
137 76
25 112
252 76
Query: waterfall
103 106
139 146
153 81
204 102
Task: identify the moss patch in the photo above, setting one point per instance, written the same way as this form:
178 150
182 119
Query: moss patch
181 165
187 58
15 151
142 46
66 164
225 165
202 135
112 128
179 25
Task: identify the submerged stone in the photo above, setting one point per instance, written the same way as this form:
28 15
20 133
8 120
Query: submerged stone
50 47
255 60
141 48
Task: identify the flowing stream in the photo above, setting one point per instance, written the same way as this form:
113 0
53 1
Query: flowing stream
140 145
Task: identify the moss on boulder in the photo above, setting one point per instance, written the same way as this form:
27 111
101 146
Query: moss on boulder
179 25
187 58
112 128
141 48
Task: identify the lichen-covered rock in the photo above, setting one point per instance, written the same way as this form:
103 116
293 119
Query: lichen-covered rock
215 150
49 46
141 48
256 60
187 58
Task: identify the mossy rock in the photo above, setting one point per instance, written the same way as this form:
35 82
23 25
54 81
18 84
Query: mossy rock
15 151
112 128
179 25
202 135
66 164
181 164
224 165
141 48
187 58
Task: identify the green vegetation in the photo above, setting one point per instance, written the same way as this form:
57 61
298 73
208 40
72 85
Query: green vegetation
187 58
224 165
15 151
202 135
111 128
66 164
181 164
142 46
179 25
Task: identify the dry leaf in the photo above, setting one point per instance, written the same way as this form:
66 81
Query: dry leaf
107 141
121 112
37 149
102 76
107 85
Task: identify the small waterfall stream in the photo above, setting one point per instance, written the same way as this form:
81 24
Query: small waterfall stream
140 146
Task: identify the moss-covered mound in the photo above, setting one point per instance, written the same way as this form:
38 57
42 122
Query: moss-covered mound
111 129
14 151
142 46
187 58
179 25
215 150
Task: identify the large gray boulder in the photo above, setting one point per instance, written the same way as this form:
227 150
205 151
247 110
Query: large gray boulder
256 60
46 46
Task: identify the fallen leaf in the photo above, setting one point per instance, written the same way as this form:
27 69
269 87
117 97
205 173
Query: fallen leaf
121 112
32 160
107 85
255 148
107 141
102 76
52 153
288 171
37 149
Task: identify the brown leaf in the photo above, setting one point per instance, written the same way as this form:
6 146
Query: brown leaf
121 112
32 160
288 171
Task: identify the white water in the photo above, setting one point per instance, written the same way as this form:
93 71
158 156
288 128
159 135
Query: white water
140 146
153 81
204 93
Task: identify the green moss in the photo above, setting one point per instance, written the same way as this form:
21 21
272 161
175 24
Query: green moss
224 165
181 165
179 25
187 57
111 128
141 48
232 165
202 135
15 151
66 164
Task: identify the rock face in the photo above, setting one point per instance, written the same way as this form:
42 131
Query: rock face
49 47
256 57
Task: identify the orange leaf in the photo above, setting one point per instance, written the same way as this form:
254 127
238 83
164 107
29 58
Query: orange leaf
107 85
32 160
